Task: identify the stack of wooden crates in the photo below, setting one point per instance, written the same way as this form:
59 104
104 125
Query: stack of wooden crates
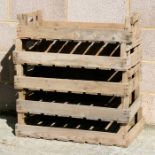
78 81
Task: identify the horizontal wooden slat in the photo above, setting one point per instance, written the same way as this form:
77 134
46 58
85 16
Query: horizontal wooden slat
76 86
72 60
133 84
76 111
84 25
82 136
73 34
134 108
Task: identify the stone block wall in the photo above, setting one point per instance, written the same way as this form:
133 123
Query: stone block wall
85 11
51 9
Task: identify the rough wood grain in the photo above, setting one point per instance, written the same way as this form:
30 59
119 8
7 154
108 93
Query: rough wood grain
76 86
81 136
73 34
74 60
76 111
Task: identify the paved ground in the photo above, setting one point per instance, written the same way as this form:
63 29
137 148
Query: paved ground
11 145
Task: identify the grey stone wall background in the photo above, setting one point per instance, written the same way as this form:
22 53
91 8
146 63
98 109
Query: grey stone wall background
79 10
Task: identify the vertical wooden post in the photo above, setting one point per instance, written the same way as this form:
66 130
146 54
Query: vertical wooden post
126 100
19 72
137 94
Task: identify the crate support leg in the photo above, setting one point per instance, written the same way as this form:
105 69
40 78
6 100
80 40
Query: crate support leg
20 72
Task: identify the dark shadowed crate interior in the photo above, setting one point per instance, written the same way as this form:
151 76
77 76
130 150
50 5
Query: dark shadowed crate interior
72 47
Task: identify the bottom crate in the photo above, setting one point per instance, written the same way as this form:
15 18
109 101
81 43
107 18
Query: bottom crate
79 130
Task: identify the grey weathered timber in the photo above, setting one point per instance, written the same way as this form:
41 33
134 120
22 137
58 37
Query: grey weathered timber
81 136
78 111
77 61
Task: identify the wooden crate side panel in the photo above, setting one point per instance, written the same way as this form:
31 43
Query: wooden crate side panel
49 59
76 86
81 136
76 111
131 25
72 34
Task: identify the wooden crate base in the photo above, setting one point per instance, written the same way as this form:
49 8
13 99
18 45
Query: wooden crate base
80 136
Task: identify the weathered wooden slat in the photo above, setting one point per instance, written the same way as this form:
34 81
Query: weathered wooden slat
73 34
34 44
114 50
101 49
87 61
50 46
109 79
134 108
75 48
76 86
133 133
88 48
79 111
63 46
133 84
84 25
76 135
81 136
76 111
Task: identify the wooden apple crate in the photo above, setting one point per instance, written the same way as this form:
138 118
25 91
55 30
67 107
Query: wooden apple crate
78 81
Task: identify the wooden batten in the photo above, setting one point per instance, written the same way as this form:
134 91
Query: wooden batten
82 136
75 111
77 61
79 111
76 86
72 34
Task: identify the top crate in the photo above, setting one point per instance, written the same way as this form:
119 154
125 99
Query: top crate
90 45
